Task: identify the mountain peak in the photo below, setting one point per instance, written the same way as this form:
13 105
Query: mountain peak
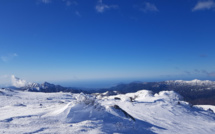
46 83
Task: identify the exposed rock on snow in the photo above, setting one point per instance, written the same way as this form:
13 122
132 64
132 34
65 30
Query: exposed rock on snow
126 114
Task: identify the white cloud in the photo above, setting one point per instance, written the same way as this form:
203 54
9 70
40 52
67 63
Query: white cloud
148 7
77 13
46 1
101 7
8 57
17 82
204 5
70 2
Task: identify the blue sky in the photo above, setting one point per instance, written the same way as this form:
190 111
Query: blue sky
85 40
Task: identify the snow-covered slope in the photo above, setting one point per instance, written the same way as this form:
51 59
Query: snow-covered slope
207 107
140 112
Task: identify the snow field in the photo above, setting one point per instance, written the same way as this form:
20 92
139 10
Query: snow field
140 112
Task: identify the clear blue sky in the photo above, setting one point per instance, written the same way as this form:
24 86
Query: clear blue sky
75 40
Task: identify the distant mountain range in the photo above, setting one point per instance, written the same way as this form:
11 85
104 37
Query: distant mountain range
194 91
46 87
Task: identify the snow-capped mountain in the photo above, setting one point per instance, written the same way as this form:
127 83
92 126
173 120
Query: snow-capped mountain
196 92
173 84
36 87
132 113
194 82
23 84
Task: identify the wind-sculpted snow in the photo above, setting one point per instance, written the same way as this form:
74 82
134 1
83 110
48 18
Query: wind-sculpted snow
140 112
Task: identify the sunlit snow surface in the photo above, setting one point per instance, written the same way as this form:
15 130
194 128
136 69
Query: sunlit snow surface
140 112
